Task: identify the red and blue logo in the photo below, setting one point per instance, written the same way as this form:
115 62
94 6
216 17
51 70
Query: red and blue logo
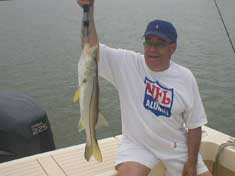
158 99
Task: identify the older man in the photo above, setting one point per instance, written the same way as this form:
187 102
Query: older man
161 108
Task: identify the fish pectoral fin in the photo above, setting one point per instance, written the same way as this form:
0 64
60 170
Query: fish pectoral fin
80 125
76 96
102 122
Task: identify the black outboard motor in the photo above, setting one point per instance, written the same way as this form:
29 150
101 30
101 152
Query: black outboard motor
24 127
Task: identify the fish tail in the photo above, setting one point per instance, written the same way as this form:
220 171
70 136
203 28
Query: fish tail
93 150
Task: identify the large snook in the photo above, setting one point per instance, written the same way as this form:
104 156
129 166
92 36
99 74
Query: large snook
88 96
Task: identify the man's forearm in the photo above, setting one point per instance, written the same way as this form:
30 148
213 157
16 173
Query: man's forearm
193 141
92 35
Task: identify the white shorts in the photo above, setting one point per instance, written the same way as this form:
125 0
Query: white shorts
131 151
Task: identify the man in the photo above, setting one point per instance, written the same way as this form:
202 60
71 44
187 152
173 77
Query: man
161 108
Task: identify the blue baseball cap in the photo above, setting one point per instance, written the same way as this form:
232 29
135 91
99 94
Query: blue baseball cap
163 29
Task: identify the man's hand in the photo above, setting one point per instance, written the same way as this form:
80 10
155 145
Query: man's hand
190 169
85 2
193 141
90 35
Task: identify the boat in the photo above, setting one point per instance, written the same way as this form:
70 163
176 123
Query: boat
217 149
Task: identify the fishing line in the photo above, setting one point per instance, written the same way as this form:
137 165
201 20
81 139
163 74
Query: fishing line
222 19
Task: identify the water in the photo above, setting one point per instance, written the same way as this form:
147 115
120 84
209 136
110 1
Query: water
40 45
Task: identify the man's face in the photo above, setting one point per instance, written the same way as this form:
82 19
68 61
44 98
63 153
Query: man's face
157 52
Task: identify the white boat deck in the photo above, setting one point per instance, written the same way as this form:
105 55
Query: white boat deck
64 162
70 161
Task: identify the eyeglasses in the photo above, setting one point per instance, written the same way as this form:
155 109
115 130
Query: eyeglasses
158 44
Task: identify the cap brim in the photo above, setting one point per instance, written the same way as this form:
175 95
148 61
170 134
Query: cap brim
159 34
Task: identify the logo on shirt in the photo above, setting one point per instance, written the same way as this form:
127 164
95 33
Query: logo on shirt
158 99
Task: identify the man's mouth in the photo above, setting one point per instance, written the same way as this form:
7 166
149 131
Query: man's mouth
152 57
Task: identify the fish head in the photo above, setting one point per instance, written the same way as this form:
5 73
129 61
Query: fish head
87 65
90 51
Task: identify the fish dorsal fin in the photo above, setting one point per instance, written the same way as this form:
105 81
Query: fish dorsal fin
102 122
80 125
76 95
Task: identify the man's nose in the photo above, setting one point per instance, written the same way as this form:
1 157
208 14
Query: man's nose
153 48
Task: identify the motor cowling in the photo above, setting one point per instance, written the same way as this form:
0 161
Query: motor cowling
24 127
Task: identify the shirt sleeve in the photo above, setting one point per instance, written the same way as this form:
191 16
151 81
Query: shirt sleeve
110 61
195 115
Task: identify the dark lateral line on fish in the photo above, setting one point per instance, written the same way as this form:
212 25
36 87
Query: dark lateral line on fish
90 121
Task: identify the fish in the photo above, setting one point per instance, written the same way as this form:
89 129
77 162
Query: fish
88 96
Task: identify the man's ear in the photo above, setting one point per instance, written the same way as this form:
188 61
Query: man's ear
173 47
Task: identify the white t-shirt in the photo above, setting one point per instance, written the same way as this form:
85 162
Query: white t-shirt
156 107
